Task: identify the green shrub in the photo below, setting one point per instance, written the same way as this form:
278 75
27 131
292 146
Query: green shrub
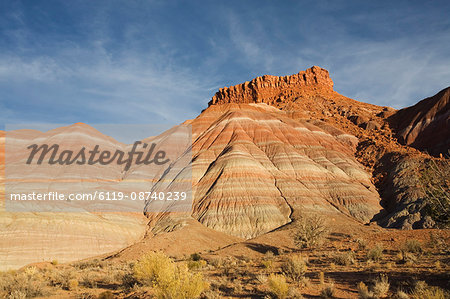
195 257
195 265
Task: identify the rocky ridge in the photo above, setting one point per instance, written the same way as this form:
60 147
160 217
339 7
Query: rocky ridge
376 129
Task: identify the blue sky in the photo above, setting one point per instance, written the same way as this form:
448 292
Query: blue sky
161 61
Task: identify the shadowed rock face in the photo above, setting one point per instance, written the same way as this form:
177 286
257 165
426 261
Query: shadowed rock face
426 125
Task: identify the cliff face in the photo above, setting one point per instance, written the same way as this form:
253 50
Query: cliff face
392 163
426 125
271 89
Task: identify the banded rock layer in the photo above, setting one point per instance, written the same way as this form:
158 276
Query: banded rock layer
255 169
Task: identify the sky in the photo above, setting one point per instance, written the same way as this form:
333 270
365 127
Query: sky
139 62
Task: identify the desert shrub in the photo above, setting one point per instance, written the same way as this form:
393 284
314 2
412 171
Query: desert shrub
168 279
309 231
89 279
423 291
363 291
362 244
413 246
72 284
106 295
294 294
195 257
327 291
379 289
154 268
111 276
195 265
129 281
216 262
210 294
95 263
17 294
228 265
278 286
55 262
436 241
375 253
267 264
345 258
261 278
401 295
407 257
294 267
64 278
433 180
23 284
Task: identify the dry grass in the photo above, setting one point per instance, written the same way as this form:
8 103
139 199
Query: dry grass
278 286
168 279
412 246
376 253
26 284
379 289
327 291
423 291
345 258
295 268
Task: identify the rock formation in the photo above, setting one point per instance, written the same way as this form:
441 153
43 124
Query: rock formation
255 169
426 125
394 167
263 153
270 89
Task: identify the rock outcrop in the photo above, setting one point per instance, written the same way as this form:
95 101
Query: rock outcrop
271 89
426 125
255 169
310 96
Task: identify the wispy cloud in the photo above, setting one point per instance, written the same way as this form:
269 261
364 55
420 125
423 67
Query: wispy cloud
156 62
